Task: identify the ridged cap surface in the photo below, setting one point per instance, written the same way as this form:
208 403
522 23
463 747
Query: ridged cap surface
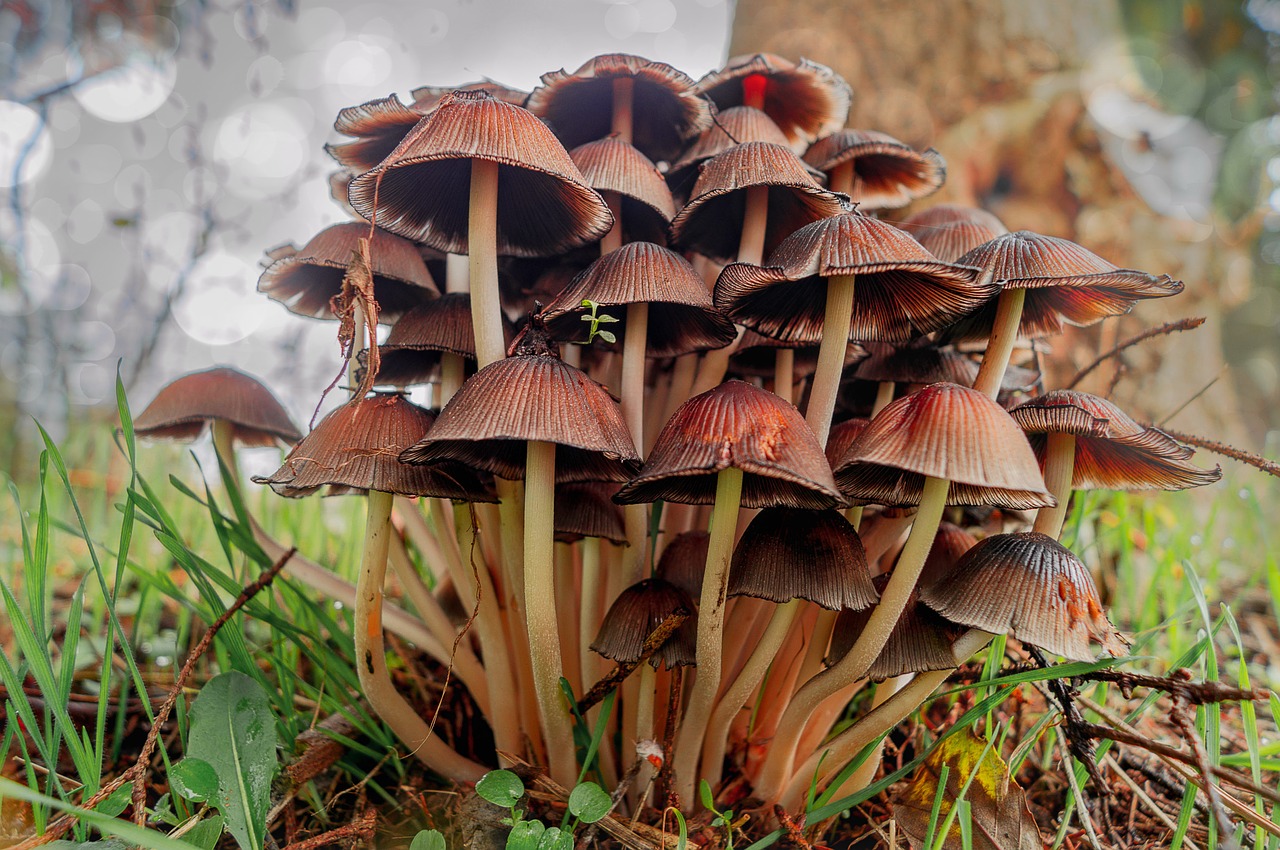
949 231
183 407
887 174
377 126
684 561
586 509
920 641
806 100
634 615
730 128
612 165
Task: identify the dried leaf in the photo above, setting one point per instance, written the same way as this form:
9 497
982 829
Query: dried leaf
998 810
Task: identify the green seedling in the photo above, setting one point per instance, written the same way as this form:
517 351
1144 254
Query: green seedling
597 319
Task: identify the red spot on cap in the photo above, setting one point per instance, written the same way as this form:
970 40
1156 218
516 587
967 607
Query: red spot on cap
753 86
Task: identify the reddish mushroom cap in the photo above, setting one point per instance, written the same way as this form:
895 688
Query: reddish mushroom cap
949 231
901 290
711 223
187 405
1031 586
684 561
356 447
411 353
806 100
943 431
612 165
949 543
666 109
681 316
422 188
920 641
731 127
740 426
887 173
757 356
378 126
634 615
427 98
305 279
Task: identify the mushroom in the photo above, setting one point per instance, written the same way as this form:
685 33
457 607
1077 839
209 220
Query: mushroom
875 170
732 127
949 231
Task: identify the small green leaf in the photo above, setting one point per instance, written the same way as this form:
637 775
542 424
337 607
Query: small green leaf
117 802
605 318
428 839
556 838
607 336
587 317
205 834
500 787
588 303
194 779
589 802
704 793
525 835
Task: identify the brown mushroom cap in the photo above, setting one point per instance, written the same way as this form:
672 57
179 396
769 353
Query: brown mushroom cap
356 447
378 126
422 188
665 108
531 395
949 231
586 509
731 127
806 100
304 280
681 316
786 554
1064 281
949 543
901 289
919 362
612 165
1113 452
411 353
634 615
920 641
741 426
187 405
842 436
1032 586
711 223
684 561
427 98
943 431
887 173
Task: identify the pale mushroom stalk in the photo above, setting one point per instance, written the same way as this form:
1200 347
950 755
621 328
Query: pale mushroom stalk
724 522
224 447
778 764
589 618
453 366
648 687
865 773
842 178
1004 334
784 371
1059 465
482 249
623 91
540 610
884 395
845 746
835 341
739 691
371 662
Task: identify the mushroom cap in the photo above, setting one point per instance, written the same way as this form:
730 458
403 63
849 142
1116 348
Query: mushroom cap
665 107
786 554
411 353
612 165
185 406
634 615
887 173
732 127
711 223
806 100
842 436
586 509
1113 452
919 362
305 279
949 543
684 561
901 290
943 431
422 188
741 426
427 98
920 641
1064 281
681 316
531 396
1031 586
949 231
356 447
377 126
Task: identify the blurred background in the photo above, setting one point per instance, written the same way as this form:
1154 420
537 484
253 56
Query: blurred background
151 151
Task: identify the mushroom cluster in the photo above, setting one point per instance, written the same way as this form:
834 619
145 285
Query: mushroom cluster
679 368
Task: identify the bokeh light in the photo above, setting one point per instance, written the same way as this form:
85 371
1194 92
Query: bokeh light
25 146
221 304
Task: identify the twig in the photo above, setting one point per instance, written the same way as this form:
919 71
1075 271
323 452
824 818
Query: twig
360 828
615 677
1181 715
137 772
1177 685
1193 397
1145 799
1167 328
791 828
1270 467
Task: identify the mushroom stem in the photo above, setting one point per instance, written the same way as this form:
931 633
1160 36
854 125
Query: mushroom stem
452 373
1004 333
819 641
482 249
592 601
540 610
784 371
623 89
865 773
633 363
715 582
835 342
856 662
739 691
840 750
841 178
884 395
1059 466
612 240
224 447
457 273
643 732
371 661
